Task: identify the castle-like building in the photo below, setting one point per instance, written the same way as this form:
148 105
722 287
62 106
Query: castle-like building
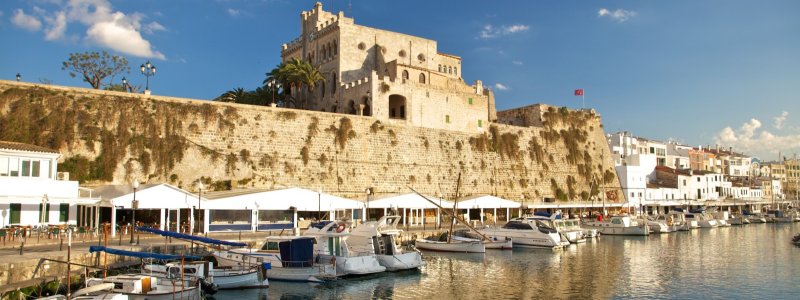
393 77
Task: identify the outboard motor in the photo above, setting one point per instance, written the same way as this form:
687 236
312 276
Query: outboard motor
208 288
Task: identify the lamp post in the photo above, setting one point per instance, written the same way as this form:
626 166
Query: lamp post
125 85
369 193
147 70
134 206
43 212
273 85
199 196
19 77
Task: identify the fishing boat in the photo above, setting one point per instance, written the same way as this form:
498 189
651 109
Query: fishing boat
332 247
492 242
140 287
528 231
291 259
778 216
441 243
382 237
223 278
618 225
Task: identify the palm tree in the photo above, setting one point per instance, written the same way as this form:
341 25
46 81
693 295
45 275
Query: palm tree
237 95
295 74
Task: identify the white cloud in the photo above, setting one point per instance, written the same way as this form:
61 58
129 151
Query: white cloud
152 27
780 119
490 32
105 27
24 21
56 27
619 15
753 140
516 62
234 12
500 86
119 34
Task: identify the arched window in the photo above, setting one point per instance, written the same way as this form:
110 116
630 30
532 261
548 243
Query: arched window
449 70
351 106
334 48
421 77
455 71
405 75
322 89
440 68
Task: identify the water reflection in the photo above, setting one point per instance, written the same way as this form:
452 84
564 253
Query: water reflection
754 261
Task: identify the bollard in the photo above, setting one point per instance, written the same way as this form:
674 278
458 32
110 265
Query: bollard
21 246
61 246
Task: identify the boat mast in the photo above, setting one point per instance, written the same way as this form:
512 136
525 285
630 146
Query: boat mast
455 202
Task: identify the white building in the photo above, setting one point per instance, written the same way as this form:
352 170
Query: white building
32 194
633 177
678 156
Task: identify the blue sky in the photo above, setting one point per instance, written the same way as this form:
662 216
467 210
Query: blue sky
699 72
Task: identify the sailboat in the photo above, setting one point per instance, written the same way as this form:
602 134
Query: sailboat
445 241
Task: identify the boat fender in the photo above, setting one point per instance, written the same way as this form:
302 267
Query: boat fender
340 228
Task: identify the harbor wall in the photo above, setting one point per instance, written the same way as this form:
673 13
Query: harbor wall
112 137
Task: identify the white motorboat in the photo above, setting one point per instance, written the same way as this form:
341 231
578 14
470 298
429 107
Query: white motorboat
492 242
528 231
440 243
676 221
569 229
291 259
223 278
618 225
703 220
382 237
655 225
140 287
332 247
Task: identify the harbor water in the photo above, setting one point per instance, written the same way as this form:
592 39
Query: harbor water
756 261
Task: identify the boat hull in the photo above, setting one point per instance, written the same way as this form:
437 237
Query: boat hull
405 261
316 273
353 265
528 238
464 247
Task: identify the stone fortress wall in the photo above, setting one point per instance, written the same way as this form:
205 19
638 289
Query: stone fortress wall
181 141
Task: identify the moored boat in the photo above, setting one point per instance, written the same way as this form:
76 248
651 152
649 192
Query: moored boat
492 242
141 287
332 247
382 237
618 225
528 232
440 243
223 278
291 259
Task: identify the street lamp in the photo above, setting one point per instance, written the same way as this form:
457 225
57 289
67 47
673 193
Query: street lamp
199 196
125 85
43 212
147 70
273 85
19 77
134 206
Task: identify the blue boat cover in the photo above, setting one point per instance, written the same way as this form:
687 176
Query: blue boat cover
297 253
190 237
93 249
542 213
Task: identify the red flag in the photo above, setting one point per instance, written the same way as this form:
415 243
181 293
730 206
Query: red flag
579 92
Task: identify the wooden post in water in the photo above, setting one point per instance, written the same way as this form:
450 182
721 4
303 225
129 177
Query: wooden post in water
105 254
69 265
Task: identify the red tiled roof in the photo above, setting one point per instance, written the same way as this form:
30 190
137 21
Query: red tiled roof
25 147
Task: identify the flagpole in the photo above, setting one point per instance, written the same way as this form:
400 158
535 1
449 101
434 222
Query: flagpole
583 101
